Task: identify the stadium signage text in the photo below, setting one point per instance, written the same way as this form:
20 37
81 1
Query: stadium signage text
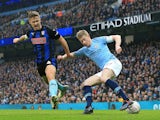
121 22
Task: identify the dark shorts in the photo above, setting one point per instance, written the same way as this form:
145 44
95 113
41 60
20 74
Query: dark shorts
42 66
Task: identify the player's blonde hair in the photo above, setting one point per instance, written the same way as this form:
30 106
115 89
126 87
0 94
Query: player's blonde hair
81 33
32 14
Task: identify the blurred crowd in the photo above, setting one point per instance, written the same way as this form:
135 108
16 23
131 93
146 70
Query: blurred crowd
19 4
75 13
140 77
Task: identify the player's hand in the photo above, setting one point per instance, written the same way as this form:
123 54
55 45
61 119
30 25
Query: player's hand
69 55
60 57
15 40
118 49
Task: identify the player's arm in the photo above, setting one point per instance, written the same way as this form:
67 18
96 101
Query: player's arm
63 57
64 45
117 39
79 52
55 35
22 38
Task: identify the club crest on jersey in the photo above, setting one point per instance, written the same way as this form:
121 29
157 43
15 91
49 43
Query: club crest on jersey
96 46
43 32
32 33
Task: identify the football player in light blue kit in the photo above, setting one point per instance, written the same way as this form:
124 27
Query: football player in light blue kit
97 50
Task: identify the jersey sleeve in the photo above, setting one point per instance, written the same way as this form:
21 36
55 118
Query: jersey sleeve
109 39
104 39
28 34
79 52
53 33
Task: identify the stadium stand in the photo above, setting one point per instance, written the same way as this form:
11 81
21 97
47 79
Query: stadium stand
8 5
21 83
76 12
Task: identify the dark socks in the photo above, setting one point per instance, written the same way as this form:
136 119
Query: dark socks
88 95
116 88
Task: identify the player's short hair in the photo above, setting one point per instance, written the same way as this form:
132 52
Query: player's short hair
32 14
81 33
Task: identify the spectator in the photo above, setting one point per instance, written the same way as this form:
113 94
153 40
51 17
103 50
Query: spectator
141 83
76 12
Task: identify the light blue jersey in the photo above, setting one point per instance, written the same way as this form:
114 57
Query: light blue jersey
98 51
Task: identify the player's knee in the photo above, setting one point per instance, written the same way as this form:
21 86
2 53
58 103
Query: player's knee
104 79
85 83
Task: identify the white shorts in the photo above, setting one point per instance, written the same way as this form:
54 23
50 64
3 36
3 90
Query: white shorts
114 65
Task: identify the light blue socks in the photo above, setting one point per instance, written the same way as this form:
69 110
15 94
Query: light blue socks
53 88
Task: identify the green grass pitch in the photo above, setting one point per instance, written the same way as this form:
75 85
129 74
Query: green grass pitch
77 115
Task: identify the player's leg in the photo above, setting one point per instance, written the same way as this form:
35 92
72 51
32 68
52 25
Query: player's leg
112 69
86 85
62 88
46 71
53 86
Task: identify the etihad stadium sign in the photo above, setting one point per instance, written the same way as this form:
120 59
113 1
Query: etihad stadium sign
121 22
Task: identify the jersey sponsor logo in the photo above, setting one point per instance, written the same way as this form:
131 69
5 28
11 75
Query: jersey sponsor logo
40 40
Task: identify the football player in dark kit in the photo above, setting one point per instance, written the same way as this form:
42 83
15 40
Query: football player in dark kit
43 39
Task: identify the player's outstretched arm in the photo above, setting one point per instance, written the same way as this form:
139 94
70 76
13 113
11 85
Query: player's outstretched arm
65 56
23 37
64 45
117 39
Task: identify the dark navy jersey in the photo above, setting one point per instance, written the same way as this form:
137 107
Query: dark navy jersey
43 41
